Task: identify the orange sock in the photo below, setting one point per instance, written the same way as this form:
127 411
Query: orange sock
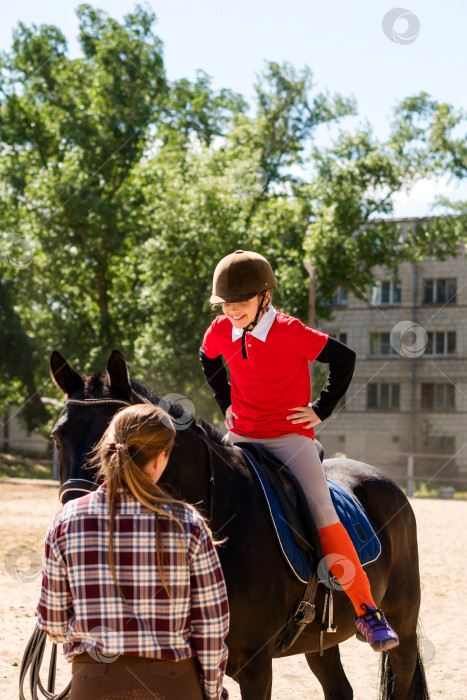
344 564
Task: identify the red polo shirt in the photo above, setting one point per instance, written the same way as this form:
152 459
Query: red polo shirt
274 378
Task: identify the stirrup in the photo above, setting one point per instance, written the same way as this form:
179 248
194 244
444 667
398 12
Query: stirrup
328 608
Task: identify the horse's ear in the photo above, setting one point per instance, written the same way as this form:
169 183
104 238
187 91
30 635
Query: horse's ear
118 373
64 376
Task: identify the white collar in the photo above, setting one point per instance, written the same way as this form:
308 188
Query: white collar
261 329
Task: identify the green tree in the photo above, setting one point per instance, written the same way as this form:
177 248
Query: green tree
214 196
120 191
354 186
76 138
435 131
72 132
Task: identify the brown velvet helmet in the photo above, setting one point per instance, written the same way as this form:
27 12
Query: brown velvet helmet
240 276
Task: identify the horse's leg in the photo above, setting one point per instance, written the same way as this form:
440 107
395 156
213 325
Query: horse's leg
255 676
330 673
402 672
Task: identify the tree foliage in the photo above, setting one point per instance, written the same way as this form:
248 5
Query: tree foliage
120 191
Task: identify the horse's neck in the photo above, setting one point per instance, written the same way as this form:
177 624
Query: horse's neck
230 467
142 395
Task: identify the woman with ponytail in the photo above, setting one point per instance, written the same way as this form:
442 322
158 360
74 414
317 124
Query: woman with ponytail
131 581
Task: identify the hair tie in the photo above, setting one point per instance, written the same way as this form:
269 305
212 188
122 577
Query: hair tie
119 446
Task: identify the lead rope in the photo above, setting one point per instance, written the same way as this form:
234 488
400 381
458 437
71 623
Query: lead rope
32 660
212 482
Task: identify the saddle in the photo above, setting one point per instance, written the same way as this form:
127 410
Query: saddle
288 504
291 499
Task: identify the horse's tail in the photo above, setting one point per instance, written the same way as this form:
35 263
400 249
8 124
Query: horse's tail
418 689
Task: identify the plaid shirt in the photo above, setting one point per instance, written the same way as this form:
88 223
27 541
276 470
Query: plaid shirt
80 605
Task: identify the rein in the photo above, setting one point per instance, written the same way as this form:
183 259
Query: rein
212 481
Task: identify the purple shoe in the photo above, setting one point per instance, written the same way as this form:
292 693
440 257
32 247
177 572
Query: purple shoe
372 627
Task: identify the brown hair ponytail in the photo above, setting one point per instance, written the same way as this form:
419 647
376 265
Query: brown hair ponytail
134 437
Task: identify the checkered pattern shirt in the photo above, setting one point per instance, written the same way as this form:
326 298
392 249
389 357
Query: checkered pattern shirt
80 605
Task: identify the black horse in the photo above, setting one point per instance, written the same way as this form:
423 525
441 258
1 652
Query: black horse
214 477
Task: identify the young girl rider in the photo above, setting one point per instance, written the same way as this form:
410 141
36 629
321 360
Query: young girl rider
267 353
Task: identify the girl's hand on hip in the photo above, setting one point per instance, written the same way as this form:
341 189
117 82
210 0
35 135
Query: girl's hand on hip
304 414
229 418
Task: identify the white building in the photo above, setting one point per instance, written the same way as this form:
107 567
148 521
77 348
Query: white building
409 391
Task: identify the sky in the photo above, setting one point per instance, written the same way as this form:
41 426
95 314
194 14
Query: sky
372 50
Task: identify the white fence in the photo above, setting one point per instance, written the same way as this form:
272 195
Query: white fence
409 468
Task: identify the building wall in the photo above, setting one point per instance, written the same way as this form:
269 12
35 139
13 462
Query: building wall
384 437
15 438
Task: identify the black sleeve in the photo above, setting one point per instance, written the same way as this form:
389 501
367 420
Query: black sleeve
216 375
341 360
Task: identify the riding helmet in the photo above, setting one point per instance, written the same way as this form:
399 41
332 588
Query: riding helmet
241 276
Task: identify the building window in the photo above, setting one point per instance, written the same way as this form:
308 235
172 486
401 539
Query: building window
441 343
438 396
385 293
380 344
340 297
385 396
440 291
341 337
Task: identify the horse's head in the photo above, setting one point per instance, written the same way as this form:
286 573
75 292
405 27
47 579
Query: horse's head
91 402
90 405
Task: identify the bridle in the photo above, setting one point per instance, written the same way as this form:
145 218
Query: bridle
33 655
82 486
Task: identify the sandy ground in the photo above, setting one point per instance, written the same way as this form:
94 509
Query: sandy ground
26 508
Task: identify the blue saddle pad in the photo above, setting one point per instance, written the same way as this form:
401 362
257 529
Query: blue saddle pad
353 518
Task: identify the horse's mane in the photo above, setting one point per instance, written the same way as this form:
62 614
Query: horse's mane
213 433
177 411
98 385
